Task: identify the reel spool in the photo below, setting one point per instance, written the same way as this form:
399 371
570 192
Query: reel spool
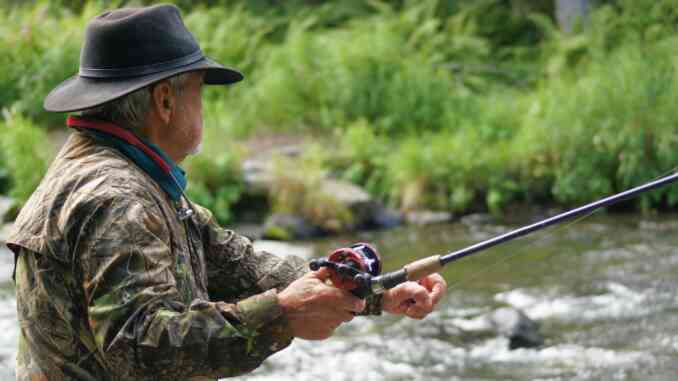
346 265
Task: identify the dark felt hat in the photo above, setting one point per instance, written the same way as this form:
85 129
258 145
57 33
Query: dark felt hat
131 48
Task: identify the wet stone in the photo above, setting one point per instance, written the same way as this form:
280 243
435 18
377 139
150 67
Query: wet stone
511 323
427 217
283 249
285 227
521 331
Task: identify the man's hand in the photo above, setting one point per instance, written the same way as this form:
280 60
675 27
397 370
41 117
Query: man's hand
415 299
315 309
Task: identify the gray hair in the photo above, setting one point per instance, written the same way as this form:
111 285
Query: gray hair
130 111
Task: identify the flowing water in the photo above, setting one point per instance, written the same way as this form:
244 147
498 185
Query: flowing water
604 291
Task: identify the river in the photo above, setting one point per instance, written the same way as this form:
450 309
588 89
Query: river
604 291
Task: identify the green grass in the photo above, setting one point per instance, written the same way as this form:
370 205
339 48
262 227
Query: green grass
23 154
427 104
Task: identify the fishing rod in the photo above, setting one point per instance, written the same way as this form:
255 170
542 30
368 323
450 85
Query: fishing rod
358 267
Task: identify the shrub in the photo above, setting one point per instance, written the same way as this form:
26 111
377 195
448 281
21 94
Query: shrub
41 47
609 128
298 190
24 154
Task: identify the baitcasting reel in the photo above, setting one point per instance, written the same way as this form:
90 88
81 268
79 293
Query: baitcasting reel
351 267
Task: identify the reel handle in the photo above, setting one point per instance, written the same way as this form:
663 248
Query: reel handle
351 268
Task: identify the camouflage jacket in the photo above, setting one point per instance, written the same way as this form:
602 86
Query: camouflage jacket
111 285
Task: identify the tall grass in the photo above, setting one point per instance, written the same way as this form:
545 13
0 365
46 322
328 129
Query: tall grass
427 104
23 153
41 46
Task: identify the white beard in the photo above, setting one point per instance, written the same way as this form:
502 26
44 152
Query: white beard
196 150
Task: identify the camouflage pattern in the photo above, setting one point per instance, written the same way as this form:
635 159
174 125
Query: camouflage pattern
111 285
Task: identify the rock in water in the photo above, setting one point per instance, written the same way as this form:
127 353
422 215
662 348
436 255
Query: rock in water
427 217
283 249
521 331
286 227
385 218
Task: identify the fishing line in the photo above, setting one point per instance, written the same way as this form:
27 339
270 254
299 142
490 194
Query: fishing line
508 257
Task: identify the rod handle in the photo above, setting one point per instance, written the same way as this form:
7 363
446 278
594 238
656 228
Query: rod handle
423 267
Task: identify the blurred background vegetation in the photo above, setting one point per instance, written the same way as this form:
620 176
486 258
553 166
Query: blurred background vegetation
452 105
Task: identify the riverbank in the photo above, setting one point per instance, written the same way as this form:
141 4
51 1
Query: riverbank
454 109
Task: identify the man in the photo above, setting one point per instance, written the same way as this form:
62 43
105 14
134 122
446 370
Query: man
119 276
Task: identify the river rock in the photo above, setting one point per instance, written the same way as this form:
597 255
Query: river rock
385 218
252 231
355 199
509 322
257 176
286 227
257 171
427 217
476 219
521 331
366 213
284 249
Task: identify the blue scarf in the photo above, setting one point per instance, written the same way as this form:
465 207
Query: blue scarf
149 157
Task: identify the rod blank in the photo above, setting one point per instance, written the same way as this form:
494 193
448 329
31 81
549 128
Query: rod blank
525 230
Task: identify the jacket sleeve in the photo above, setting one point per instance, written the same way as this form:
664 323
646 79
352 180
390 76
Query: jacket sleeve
141 324
235 270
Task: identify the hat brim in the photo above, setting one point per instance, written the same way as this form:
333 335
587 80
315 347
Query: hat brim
81 93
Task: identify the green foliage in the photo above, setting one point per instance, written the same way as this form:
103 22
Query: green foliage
215 179
362 158
455 105
378 69
611 127
4 175
298 189
41 48
23 153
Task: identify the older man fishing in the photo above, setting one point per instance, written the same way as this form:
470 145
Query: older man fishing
119 276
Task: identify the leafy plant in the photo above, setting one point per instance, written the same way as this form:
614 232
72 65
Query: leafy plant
24 154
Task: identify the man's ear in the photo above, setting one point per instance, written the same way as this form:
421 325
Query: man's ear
163 101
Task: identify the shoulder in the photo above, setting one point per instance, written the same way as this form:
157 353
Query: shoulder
86 183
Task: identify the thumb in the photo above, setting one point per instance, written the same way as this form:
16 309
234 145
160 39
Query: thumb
322 273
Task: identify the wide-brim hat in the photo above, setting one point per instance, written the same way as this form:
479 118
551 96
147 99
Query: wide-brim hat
128 49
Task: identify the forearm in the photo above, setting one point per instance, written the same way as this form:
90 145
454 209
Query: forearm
236 271
206 339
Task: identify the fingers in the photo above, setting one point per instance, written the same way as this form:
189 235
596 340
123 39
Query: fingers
341 299
420 304
422 298
437 286
416 312
322 273
344 317
409 296
416 300
411 291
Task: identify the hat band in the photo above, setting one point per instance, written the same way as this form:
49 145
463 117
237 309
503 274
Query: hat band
136 71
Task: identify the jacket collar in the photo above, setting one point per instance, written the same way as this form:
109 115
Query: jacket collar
149 157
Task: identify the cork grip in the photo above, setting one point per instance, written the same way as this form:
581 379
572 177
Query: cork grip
419 269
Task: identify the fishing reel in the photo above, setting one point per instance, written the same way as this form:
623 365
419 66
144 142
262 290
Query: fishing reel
351 268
